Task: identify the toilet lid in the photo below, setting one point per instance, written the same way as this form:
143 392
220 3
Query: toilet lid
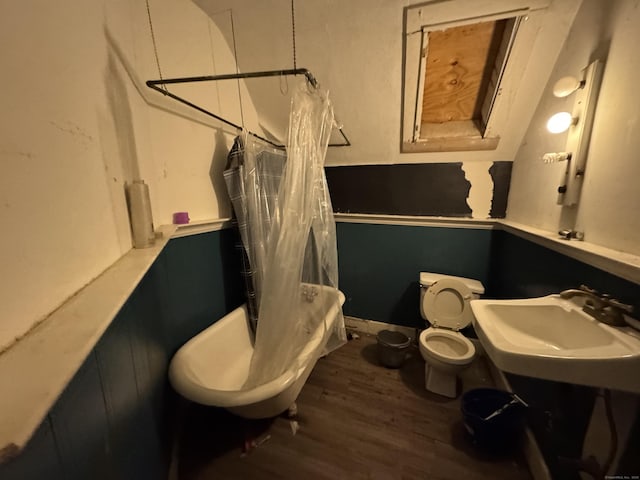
447 304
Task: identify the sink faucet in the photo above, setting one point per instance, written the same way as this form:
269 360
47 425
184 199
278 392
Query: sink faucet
600 306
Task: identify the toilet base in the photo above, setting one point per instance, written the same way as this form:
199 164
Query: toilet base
439 382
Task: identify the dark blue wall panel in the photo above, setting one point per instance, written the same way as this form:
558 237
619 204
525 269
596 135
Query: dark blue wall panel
203 283
433 189
79 420
149 352
379 266
117 374
436 189
560 412
136 450
40 459
521 269
114 420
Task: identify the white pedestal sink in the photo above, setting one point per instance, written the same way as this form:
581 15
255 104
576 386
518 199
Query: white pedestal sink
552 338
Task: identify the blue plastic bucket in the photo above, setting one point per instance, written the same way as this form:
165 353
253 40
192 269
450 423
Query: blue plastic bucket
493 418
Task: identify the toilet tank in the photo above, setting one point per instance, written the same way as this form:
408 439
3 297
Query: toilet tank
427 279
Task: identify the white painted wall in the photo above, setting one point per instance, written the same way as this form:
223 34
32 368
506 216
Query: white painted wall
186 157
608 212
60 226
77 123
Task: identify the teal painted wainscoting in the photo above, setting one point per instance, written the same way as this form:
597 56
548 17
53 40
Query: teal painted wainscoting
380 265
560 412
521 269
202 283
114 419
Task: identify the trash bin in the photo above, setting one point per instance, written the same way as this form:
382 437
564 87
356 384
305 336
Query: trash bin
493 418
392 348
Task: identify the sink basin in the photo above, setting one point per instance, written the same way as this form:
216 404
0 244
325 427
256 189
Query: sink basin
552 338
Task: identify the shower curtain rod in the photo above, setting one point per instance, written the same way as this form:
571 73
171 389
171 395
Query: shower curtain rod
158 84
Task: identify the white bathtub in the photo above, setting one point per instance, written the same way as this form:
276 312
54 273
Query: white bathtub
213 366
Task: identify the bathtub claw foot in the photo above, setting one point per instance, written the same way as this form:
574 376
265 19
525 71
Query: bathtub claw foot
292 411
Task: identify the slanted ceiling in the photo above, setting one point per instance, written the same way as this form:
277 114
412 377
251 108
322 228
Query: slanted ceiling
365 83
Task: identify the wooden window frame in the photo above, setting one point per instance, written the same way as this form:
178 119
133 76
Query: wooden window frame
436 15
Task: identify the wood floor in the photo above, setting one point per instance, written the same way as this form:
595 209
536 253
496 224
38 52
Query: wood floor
357 420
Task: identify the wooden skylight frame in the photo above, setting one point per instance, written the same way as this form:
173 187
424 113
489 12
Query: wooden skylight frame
521 53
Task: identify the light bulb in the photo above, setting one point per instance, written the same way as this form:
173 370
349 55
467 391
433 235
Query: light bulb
559 122
566 86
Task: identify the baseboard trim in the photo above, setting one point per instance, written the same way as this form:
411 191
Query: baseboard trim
372 327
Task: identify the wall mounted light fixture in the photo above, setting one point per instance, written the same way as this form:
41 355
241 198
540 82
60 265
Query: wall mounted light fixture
560 122
579 124
566 86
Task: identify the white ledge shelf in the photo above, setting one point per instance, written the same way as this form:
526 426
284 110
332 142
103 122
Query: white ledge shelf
201 226
621 264
36 369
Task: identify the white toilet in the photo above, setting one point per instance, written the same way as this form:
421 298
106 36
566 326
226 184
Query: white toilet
444 302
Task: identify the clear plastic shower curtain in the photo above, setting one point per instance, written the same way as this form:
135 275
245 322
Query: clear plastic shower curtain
253 175
291 238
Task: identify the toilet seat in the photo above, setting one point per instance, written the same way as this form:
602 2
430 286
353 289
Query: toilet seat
448 346
446 304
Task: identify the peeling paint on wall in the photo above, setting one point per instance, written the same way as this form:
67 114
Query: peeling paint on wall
480 195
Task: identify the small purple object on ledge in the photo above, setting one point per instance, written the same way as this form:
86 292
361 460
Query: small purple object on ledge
180 218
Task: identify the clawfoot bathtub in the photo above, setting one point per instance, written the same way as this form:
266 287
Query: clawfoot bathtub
213 366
